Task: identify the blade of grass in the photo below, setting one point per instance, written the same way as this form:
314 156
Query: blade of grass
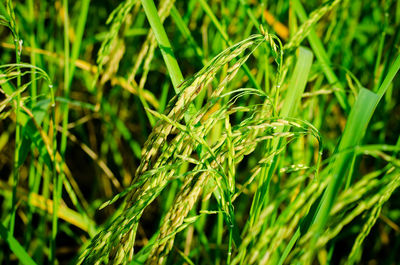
163 42
355 129
225 36
377 75
32 40
393 70
323 58
15 246
32 55
18 139
76 47
58 178
186 33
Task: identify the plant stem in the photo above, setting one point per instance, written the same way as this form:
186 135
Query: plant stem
323 58
163 42
17 142
58 179
18 47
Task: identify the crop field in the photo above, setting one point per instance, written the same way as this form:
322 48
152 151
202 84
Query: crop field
200 132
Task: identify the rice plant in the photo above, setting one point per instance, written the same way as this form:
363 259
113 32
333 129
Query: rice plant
199 132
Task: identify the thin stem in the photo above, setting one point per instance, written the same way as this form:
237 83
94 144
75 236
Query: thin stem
32 54
17 140
78 38
163 42
323 58
58 179
18 48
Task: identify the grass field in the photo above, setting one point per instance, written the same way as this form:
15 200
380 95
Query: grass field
200 132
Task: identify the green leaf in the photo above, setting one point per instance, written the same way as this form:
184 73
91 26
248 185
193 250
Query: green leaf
15 246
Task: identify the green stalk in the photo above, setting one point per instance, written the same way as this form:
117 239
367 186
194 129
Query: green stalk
15 247
377 75
32 175
163 42
220 227
389 77
378 60
230 240
250 14
30 208
215 21
32 54
186 33
63 146
58 178
45 191
323 58
76 47
225 36
18 139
